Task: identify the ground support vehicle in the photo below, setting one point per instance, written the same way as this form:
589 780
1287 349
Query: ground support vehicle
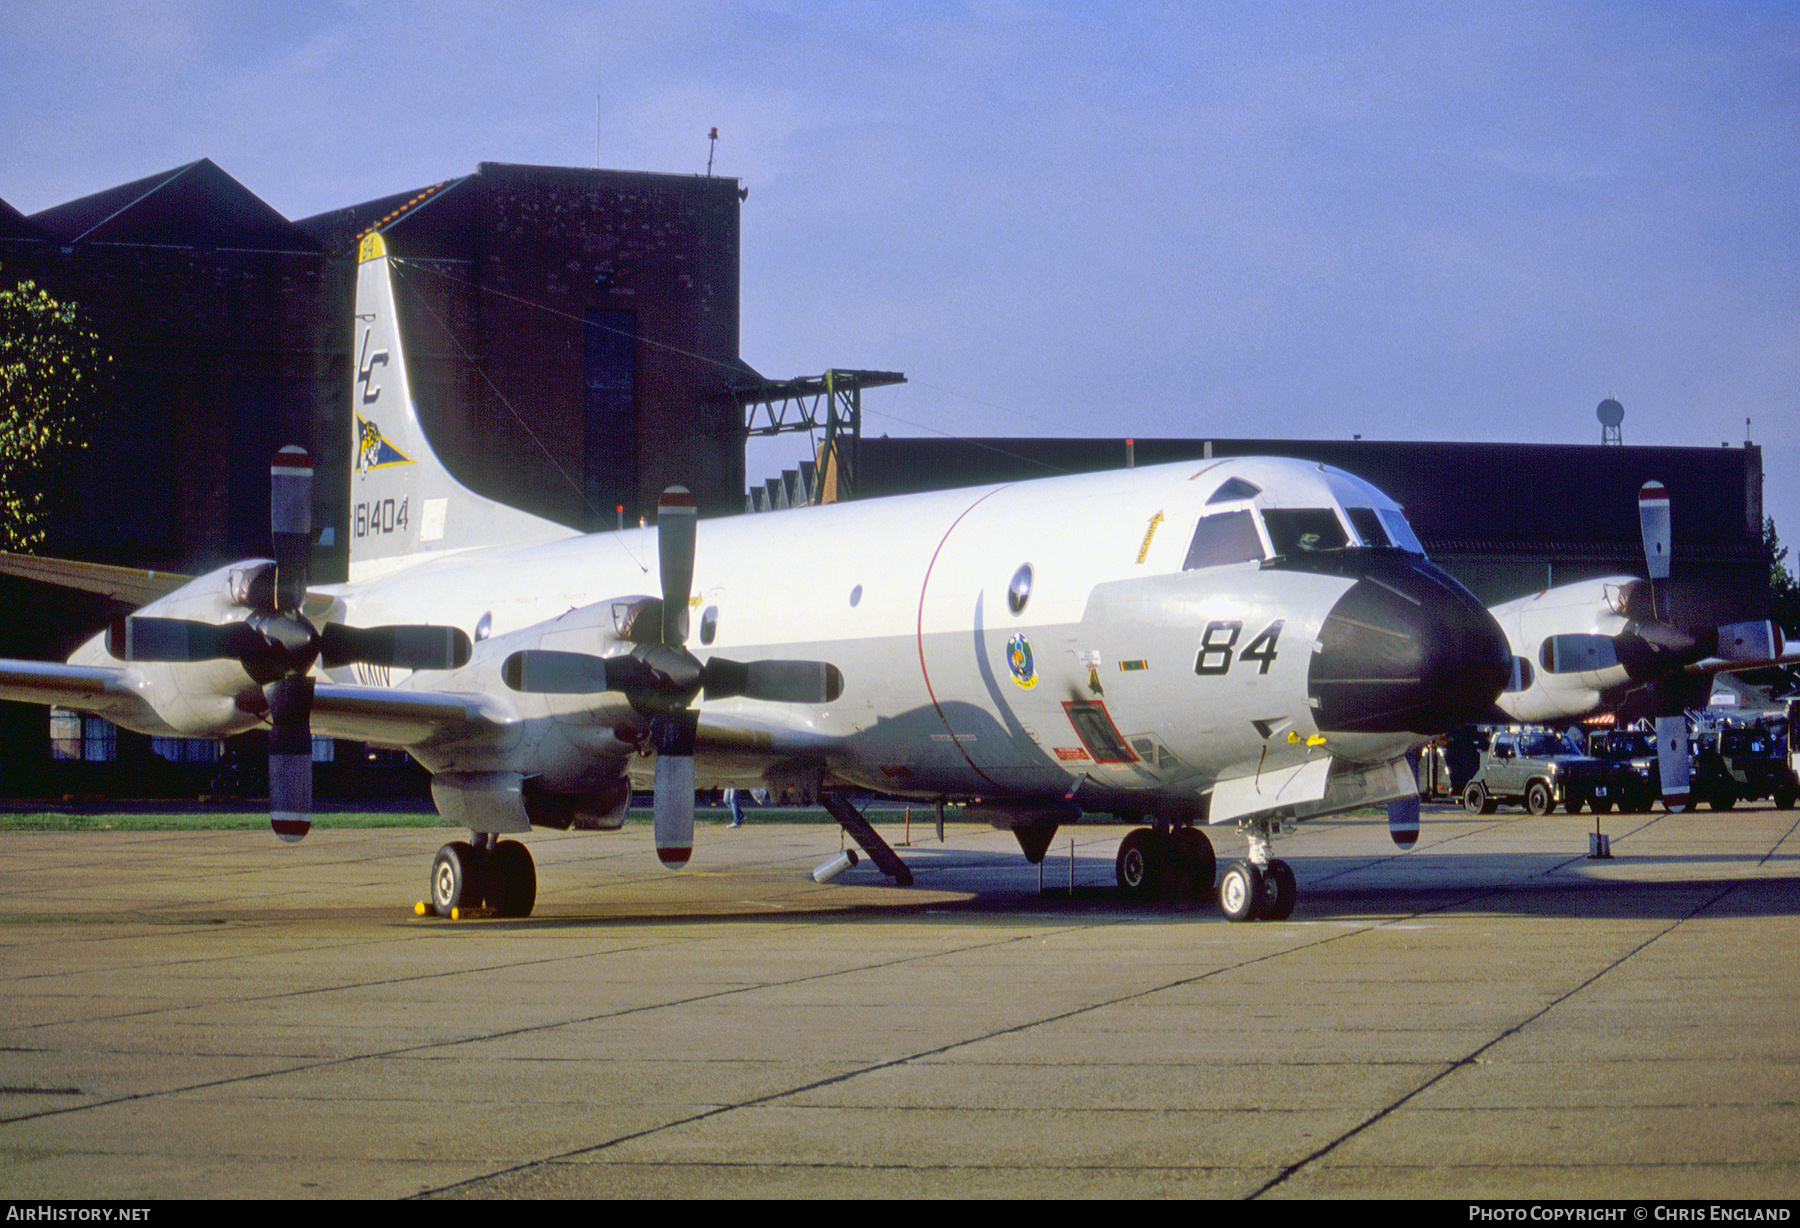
1742 759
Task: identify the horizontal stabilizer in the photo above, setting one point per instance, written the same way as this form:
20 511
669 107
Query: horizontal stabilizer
133 585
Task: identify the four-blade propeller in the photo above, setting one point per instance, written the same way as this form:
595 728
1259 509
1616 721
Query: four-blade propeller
1655 650
661 678
277 644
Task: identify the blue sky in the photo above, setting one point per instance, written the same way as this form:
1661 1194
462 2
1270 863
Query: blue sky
1314 220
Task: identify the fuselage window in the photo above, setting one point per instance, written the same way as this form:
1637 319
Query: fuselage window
709 624
1229 537
1302 530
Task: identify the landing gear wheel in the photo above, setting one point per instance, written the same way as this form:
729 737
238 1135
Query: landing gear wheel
1538 798
1241 891
1281 892
1575 801
455 874
1477 801
512 880
1194 862
1785 798
1140 864
1724 799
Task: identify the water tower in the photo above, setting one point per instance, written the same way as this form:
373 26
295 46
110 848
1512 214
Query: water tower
1610 413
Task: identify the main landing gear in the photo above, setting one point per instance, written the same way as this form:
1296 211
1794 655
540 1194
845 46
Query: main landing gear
488 873
1156 862
1180 864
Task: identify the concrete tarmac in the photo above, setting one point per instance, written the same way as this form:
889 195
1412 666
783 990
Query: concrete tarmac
210 1014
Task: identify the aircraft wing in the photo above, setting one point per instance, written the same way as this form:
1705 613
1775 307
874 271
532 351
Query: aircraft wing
106 690
129 584
367 714
403 718
135 586
46 682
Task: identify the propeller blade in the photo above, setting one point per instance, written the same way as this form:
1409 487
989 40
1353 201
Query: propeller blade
675 526
1752 641
1672 761
290 756
673 737
290 523
781 682
1653 523
540 671
1403 821
136 638
1403 815
400 646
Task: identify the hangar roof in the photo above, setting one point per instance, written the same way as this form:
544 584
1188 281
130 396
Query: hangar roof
197 205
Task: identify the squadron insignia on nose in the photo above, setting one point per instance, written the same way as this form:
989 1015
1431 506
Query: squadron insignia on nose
1018 660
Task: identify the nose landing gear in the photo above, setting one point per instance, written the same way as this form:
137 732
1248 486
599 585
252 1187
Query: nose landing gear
1259 888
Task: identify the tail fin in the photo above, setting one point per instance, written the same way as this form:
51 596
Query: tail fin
404 505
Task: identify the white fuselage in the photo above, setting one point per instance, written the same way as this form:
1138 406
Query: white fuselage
1119 674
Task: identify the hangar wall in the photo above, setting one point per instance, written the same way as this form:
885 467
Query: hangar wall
574 336
1505 519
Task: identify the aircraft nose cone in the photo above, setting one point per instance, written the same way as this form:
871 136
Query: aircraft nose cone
1407 650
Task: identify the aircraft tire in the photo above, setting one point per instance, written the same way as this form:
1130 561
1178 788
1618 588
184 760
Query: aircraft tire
512 886
1724 799
1785 799
1195 863
453 874
1280 891
1141 864
1538 798
1241 892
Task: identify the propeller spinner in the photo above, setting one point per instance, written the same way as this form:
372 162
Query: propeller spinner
662 679
278 645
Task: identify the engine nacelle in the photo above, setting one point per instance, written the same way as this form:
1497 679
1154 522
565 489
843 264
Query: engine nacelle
207 699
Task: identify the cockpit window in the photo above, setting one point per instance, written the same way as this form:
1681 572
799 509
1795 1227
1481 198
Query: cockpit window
1368 526
1400 532
1303 530
1233 490
1383 527
1229 537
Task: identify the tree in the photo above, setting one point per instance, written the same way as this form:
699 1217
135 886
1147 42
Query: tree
1784 590
51 371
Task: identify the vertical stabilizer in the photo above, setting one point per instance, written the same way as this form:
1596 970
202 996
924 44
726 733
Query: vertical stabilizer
404 505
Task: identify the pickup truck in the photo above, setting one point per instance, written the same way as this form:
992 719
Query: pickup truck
1536 768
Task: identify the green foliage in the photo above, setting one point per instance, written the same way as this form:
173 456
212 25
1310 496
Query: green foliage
51 370
1784 590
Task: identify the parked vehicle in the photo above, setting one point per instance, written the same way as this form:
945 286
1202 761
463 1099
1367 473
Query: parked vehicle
1447 764
1740 759
1636 780
1538 769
